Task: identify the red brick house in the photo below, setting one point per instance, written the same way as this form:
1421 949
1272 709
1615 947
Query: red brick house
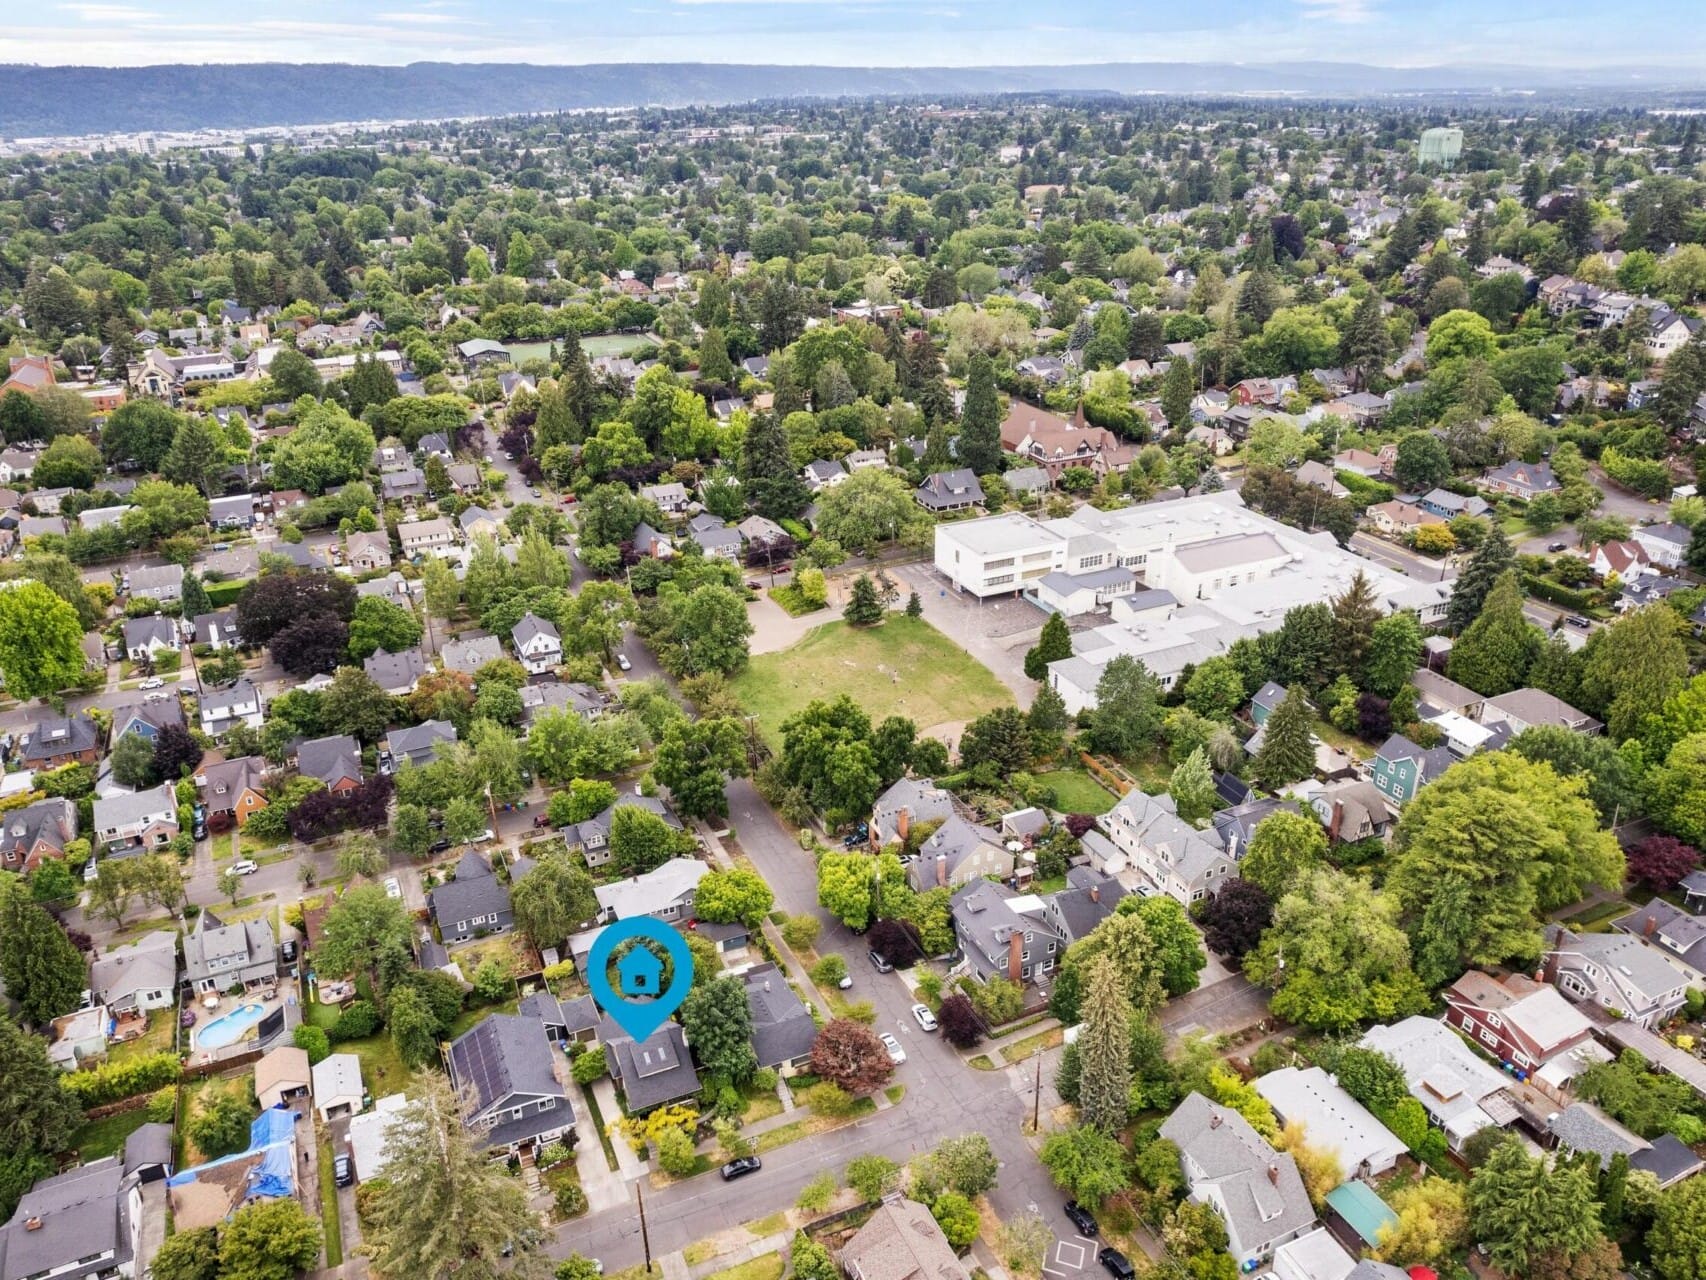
37 831
1517 1020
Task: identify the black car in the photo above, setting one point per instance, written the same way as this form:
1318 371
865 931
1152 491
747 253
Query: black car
879 964
287 952
741 1167
1081 1218
1576 620
1116 1264
343 1173
1555 547
438 846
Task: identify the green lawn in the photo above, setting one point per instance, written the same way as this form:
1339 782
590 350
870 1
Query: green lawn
105 1137
329 1208
1075 791
905 667
767 1266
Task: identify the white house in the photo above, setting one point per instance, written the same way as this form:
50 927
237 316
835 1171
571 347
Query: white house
537 644
1332 1119
223 709
337 1086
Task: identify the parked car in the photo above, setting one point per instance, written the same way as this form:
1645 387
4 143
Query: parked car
1116 1264
622 662
244 867
198 828
153 682
1576 620
922 1015
158 695
1080 1218
1556 547
741 1167
92 870
879 964
541 819
343 1173
897 1055
438 846
392 888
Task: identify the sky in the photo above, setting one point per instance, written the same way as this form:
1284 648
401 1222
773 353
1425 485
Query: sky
1550 33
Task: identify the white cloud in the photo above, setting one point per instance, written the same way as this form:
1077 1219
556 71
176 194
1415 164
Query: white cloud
107 12
1342 11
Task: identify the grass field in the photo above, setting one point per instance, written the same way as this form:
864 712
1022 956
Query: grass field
764 1267
905 667
1075 791
105 1137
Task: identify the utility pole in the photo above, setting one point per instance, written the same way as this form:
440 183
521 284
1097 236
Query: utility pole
1037 1097
645 1236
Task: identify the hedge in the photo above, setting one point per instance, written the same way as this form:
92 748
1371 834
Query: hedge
221 594
116 1080
1556 593
1365 492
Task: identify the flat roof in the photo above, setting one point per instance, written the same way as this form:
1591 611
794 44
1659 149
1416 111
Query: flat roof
993 535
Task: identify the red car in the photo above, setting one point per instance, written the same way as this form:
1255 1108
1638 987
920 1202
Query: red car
541 819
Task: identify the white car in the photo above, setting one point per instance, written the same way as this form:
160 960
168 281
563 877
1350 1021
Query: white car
158 695
153 682
392 888
925 1019
622 661
244 867
897 1055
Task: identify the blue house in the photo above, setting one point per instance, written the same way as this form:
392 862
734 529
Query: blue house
1401 768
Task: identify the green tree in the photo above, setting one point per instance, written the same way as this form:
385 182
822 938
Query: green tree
1394 653
1631 669
1127 718
1460 334
188 1255
1494 654
294 376
1085 1162
873 1176
141 431
1285 847
36 1113
871 507
1677 1239
1525 840
1335 956
980 422
1523 1207
719 1026
1355 613
958 1218
1287 753
1364 344
221 1124
269 1240
1054 644
363 929
1216 689
1490 561
553 899
1192 787
444 1208
642 841
845 883
1104 1049
725 897
43 971
413 1027
696 759
197 455
411 832
863 609
132 760
41 641
1178 389
1422 462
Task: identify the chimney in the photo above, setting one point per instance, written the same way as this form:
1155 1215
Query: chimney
942 870
1095 893
1338 817
1273 1173
1214 1120
32 1224
1015 956
902 823
1650 926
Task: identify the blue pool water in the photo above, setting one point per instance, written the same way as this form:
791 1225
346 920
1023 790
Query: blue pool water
229 1028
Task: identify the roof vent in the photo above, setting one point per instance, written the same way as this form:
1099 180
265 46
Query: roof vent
32 1224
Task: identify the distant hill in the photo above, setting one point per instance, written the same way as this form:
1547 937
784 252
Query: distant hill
37 101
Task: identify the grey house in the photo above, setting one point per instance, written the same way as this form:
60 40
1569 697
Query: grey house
418 744
218 956
471 651
140 976
592 837
1002 935
1616 972
503 1068
85 1222
782 1028
653 1071
335 761
475 902
396 673
950 491
1228 1166
957 852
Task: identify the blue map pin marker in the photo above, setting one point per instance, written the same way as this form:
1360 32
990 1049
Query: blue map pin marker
639 1008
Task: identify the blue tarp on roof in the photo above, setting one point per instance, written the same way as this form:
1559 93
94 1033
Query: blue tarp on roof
272 1136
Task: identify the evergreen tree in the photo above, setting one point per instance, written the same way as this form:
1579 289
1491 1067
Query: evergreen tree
1287 753
555 422
578 382
1364 345
914 606
36 1114
44 972
1355 614
980 424
197 455
863 609
1683 382
194 597
1493 656
1178 389
1258 299
1048 712
1104 1049
1557 669
714 362
767 469
1470 590
371 382
936 456
1054 644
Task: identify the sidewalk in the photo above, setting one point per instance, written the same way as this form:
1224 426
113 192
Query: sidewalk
777 1243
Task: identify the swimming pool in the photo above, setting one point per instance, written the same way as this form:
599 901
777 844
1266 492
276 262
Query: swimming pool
229 1028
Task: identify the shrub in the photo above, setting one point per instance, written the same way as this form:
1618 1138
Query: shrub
829 1100
115 1081
675 1153
222 1125
816 1194
571 1200
358 1020
589 1066
764 1079
314 1042
800 932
